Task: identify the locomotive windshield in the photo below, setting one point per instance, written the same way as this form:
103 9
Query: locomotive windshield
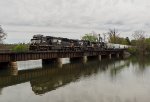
59 41
35 41
54 40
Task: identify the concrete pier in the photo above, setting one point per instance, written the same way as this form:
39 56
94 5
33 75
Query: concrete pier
84 59
13 68
117 55
99 57
109 56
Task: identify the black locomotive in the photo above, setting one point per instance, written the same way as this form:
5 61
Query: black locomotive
49 43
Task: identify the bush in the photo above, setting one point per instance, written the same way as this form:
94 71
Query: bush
132 50
90 37
20 48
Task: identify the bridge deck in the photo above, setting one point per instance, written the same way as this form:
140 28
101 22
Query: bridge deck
35 55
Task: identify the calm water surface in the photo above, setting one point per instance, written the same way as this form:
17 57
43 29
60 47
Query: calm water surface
95 81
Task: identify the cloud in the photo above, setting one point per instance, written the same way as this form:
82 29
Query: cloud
126 15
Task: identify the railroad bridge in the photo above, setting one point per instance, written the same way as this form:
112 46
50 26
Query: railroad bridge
9 59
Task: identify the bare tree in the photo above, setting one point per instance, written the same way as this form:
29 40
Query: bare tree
139 34
141 45
113 34
2 35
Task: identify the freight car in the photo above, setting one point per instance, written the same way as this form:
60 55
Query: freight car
49 43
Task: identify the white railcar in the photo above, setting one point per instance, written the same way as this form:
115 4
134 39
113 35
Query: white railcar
116 46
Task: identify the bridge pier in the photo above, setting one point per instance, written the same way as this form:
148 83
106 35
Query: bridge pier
99 57
84 59
13 68
110 56
117 55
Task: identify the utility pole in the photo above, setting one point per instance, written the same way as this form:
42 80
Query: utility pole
100 38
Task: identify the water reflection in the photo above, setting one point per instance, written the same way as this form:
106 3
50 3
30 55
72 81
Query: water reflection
140 64
97 76
51 77
62 76
117 67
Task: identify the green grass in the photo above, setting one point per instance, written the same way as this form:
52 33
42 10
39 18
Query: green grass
20 48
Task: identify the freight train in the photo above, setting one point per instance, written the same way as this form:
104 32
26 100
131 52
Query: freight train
50 43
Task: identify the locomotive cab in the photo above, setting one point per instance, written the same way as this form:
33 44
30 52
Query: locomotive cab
38 43
34 44
35 41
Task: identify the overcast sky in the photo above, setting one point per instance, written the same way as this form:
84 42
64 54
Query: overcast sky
74 16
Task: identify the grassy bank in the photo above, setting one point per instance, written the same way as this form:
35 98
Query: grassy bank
14 47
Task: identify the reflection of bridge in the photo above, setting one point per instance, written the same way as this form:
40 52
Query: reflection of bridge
50 78
9 59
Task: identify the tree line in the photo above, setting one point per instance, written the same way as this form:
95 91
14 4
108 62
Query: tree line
140 44
2 35
113 37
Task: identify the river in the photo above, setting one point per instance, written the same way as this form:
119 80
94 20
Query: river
115 80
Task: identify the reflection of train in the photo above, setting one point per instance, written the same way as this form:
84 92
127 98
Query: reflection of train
68 73
54 77
49 43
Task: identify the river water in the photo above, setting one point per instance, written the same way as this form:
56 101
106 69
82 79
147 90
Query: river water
116 80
